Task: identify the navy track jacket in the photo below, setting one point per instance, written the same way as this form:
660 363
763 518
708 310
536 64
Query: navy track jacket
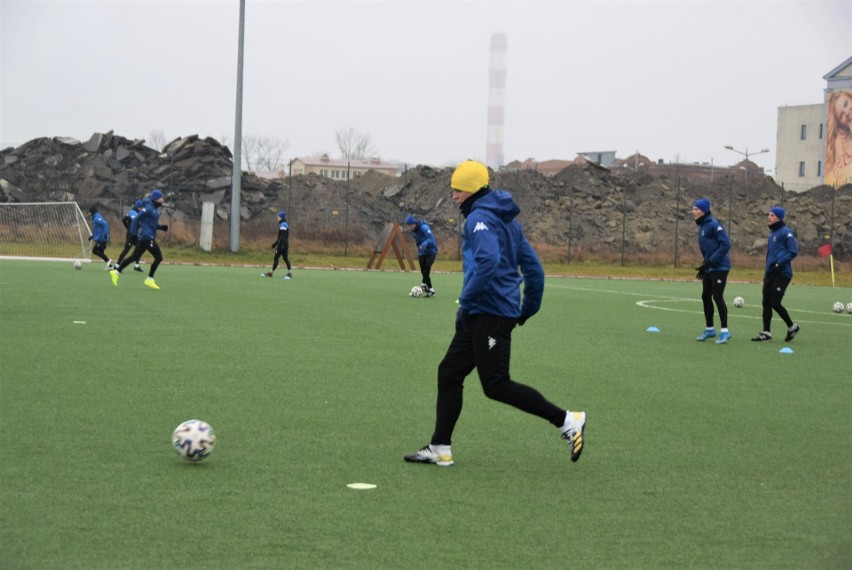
497 257
714 243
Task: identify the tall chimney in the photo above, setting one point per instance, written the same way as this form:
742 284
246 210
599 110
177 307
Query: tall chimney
496 97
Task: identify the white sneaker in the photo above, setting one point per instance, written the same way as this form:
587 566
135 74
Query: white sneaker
572 431
439 455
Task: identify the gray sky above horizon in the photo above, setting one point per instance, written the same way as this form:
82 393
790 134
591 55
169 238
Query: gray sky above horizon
673 80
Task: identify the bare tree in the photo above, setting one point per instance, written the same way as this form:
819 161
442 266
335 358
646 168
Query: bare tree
263 153
157 139
354 145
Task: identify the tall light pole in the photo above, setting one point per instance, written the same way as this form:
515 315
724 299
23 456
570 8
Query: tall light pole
237 171
746 153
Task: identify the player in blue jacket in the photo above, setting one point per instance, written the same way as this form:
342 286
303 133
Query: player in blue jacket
780 251
427 250
100 237
281 247
497 259
714 245
131 238
148 223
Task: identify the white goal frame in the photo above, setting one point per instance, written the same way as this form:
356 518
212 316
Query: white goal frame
45 231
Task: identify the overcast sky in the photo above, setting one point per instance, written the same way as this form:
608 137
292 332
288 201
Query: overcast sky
669 79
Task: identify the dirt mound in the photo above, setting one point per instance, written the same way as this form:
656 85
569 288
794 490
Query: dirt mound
592 210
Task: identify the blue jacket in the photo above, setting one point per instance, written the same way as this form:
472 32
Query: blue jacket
497 257
100 228
782 249
129 220
148 220
714 243
424 238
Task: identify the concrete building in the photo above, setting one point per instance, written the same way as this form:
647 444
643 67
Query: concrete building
339 168
814 142
799 147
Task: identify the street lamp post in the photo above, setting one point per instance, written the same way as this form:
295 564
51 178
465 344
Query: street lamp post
746 153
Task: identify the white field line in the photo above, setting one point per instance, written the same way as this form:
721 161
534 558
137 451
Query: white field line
732 311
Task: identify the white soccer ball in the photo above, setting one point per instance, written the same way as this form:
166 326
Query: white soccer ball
739 302
194 440
838 307
78 265
849 308
416 291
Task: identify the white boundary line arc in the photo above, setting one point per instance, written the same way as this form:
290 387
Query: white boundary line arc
645 305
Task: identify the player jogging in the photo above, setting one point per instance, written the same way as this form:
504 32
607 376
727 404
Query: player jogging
100 236
148 222
281 247
132 238
497 259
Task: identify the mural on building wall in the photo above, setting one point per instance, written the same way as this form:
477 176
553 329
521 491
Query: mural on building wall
838 138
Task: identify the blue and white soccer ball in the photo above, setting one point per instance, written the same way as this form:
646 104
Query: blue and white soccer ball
739 302
194 440
416 291
838 307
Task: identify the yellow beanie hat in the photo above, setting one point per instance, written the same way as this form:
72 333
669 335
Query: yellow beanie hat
470 176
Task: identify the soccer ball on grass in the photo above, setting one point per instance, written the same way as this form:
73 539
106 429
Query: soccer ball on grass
194 440
416 291
838 307
78 265
849 308
739 302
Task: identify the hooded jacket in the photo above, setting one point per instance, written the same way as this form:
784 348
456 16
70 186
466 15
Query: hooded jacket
714 243
497 257
424 238
100 228
148 220
781 249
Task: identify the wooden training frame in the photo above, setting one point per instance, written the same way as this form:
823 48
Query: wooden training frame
391 238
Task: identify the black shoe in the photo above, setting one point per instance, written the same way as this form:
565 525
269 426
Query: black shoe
791 332
137 268
764 335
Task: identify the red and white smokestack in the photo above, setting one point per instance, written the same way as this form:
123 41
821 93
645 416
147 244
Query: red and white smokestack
496 101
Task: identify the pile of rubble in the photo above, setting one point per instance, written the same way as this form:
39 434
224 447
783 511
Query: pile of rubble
595 209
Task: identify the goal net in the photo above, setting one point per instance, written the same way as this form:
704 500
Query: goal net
45 230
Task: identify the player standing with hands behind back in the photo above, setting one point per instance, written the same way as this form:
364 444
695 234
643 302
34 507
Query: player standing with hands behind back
497 258
281 247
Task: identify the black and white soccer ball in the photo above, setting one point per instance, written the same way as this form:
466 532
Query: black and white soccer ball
194 440
849 308
416 291
739 302
838 307
78 265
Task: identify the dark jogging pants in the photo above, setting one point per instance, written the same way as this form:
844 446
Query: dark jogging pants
483 342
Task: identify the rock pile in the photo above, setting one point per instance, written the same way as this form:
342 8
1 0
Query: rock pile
591 207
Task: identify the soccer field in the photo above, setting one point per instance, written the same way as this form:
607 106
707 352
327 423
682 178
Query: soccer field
697 455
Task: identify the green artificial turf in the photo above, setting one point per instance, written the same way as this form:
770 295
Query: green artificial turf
697 455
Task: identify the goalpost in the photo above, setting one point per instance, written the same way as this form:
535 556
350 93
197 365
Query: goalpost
44 231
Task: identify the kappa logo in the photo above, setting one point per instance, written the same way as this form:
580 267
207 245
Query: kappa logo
492 342
479 226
